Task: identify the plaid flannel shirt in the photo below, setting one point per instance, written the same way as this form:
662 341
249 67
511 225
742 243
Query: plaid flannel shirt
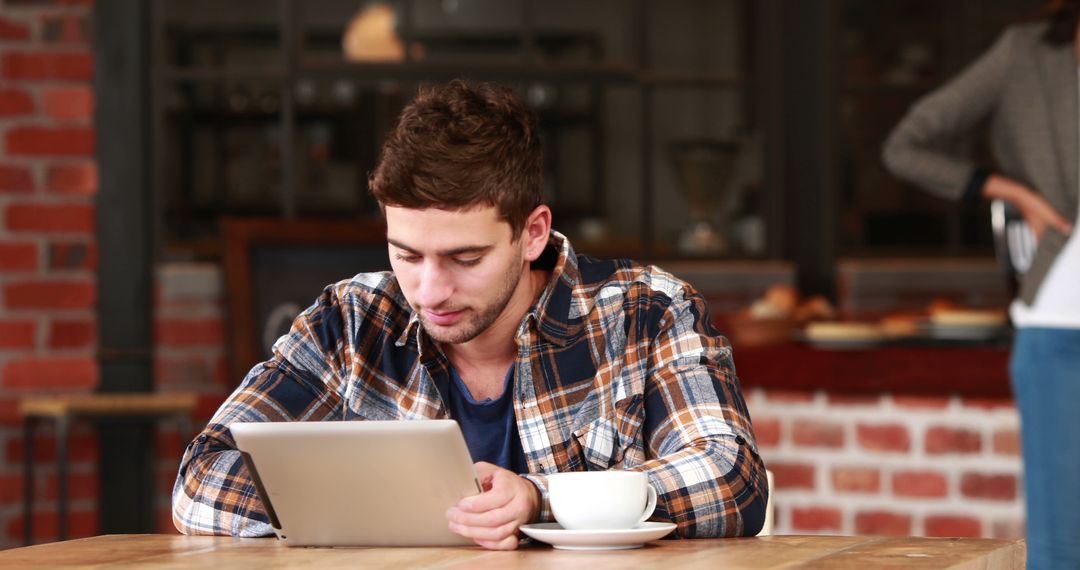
618 367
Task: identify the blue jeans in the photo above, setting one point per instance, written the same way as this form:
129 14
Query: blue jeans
1045 372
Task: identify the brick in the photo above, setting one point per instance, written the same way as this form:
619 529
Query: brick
999 487
80 486
82 448
50 141
10 488
988 403
882 523
169 445
81 524
941 440
852 400
856 479
16 179
163 523
17 334
812 433
72 334
74 178
921 402
18 256
883 437
66 28
952 525
189 333
185 285
73 294
13 30
1007 442
9 412
816 519
223 374
50 218
785 396
919 484
15 102
1008 529
74 66
67 256
792 475
187 371
767 432
206 405
68 102
80 373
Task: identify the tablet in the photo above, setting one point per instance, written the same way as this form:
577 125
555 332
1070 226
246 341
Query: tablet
359 483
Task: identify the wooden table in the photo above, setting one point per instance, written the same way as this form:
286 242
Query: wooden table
220 553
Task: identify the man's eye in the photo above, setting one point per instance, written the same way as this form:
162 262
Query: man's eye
408 258
469 262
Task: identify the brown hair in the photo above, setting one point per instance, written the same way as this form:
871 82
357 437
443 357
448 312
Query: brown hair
1062 16
458 146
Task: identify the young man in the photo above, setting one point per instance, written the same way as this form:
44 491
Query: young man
549 361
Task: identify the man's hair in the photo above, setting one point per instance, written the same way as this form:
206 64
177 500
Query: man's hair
460 146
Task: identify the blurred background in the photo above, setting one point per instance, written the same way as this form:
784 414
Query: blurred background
179 178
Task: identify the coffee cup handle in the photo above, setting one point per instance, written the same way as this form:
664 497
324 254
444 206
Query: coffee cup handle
650 504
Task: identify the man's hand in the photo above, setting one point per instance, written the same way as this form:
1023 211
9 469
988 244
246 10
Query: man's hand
492 518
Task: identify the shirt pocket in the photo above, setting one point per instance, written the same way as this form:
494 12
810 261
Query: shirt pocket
610 440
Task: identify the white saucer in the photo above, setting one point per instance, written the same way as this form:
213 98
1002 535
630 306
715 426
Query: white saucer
559 537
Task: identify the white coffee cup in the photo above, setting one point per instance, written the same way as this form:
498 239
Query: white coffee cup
595 500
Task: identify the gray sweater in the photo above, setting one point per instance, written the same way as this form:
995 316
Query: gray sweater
1026 91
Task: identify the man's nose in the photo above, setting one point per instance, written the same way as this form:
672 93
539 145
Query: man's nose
435 287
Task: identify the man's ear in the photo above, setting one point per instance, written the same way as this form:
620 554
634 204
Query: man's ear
536 231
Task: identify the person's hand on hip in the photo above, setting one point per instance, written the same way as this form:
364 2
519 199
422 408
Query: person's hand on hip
1037 212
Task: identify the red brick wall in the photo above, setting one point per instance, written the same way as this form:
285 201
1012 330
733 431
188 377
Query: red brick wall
890 465
48 180
48 259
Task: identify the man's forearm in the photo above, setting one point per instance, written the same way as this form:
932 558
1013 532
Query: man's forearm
213 495
710 488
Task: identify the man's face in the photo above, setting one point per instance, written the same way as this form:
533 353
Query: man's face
458 270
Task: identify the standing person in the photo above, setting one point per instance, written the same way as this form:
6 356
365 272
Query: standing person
550 361
1025 89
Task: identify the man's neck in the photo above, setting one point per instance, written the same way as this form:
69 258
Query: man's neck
495 347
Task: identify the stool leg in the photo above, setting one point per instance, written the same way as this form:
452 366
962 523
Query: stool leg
28 480
61 476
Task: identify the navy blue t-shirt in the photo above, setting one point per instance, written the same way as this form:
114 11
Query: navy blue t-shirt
489 425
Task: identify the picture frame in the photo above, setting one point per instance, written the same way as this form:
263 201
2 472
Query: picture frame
276 268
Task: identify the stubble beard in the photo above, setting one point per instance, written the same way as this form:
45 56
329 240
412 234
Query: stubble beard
472 328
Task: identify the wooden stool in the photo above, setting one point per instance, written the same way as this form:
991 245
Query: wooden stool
64 409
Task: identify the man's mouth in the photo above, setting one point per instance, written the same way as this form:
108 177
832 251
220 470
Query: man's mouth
443 318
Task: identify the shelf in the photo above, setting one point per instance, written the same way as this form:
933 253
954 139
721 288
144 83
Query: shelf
913 88
205 73
694 80
423 71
